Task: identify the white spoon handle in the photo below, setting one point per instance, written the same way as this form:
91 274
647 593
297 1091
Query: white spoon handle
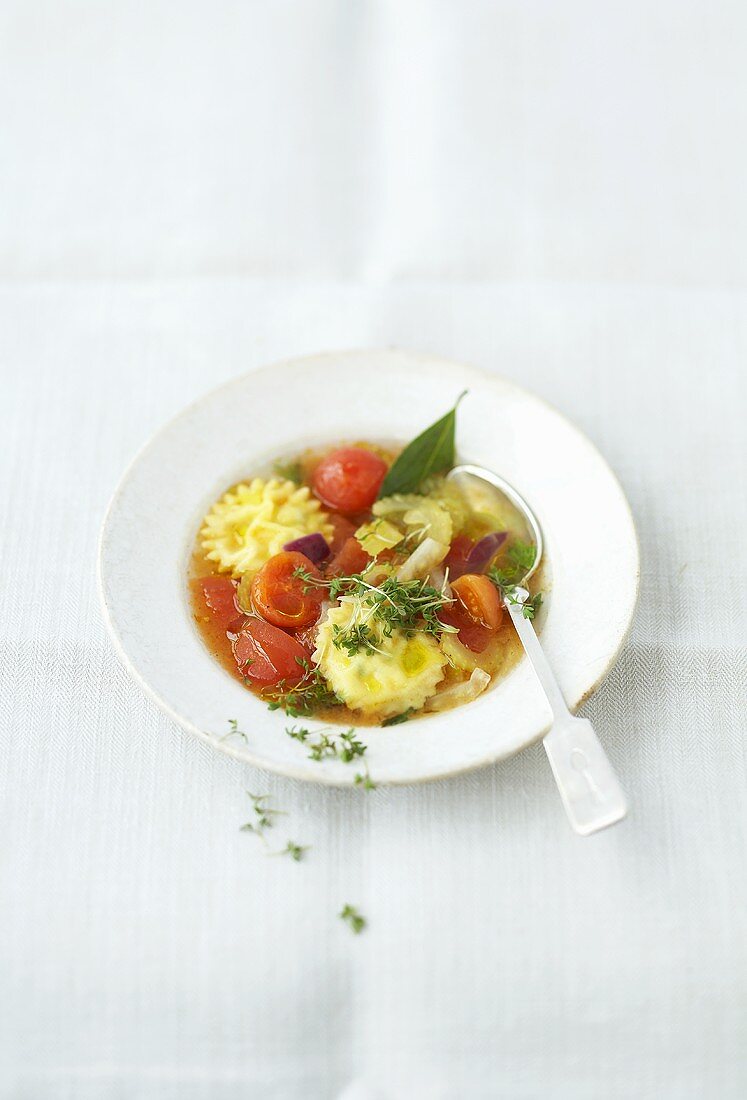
591 793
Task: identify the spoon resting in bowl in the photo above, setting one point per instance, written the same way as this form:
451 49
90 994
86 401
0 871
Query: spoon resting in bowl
588 786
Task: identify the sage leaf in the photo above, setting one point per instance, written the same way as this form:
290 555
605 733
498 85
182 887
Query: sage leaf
429 453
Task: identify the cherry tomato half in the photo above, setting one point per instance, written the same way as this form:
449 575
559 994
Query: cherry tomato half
267 655
480 599
219 596
349 480
283 599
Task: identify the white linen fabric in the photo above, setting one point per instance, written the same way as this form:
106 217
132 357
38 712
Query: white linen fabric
551 191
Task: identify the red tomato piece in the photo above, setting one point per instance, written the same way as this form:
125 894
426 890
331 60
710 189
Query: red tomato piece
480 599
268 655
349 480
351 559
456 559
284 599
219 594
476 613
472 634
344 530
307 637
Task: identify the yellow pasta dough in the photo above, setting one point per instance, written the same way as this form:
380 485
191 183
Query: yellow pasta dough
401 672
255 520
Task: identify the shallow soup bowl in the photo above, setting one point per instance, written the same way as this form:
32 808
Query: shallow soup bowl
591 553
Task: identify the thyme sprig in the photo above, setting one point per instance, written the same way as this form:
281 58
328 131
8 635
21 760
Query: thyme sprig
343 746
264 814
295 851
305 698
353 918
263 820
234 731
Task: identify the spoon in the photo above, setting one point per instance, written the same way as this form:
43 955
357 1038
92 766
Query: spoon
588 786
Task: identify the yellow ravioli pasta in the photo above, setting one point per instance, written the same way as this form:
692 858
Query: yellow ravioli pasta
255 520
401 673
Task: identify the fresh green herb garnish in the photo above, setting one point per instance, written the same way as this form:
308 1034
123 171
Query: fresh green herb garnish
263 820
530 607
350 914
291 471
305 698
521 557
234 731
354 638
398 719
344 746
295 851
429 453
264 814
410 606
341 746
350 747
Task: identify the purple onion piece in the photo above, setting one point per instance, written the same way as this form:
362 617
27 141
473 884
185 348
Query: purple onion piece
482 552
315 547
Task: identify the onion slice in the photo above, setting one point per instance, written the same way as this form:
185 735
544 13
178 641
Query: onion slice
315 547
482 552
460 693
422 560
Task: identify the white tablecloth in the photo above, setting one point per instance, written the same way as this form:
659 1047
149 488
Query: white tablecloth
552 191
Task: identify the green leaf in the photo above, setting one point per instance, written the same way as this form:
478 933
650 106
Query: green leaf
397 719
431 452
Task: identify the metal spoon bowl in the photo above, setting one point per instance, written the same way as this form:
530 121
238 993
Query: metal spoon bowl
588 786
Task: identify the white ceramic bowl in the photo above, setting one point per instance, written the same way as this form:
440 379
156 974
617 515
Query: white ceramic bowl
152 520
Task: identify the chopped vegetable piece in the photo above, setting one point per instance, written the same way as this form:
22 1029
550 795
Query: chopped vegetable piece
283 598
460 693
219 594
422 516
344 529
470 633
351 559
480 599
315 547
483 552
377 536
268 655
456 559
420 562
349 480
